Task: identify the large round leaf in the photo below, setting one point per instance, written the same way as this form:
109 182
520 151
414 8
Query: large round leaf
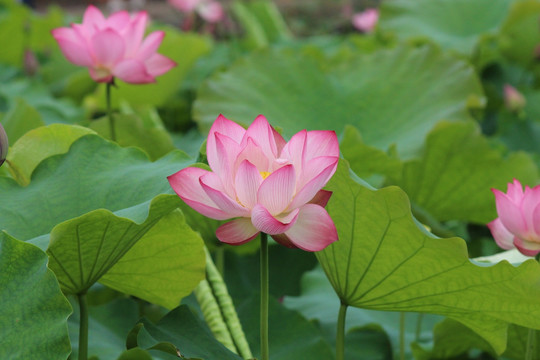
391 96
94 174
384 260
33 311
453 24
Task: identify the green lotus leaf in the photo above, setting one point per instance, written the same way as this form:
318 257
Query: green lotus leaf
298 91
453 24
33 311
20 119
39 144
94 174
458 167
385 260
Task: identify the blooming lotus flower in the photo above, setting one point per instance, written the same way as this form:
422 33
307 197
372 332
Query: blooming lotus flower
264 184
518 224
114 47
4 145
209 10
366 20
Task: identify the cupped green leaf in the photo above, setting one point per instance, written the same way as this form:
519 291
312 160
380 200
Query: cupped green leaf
185 331
164 266
94 174
160 259
458 167
21 119
39 144
33 311
298 91
385 260
454 24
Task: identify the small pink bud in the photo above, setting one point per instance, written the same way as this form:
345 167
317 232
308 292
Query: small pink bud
513 99
31 64
4 145
365 21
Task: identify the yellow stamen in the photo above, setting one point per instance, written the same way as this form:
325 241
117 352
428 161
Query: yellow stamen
265 174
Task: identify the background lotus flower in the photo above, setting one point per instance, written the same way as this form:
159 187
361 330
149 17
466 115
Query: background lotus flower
209 10
266 184
518 224
513 99
4 145
366 20
114 47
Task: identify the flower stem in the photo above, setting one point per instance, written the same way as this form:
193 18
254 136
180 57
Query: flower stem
402 336
419 326
264 297
83 326
340 337
531 345
109 111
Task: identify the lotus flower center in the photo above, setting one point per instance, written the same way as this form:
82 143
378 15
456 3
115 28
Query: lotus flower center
264 174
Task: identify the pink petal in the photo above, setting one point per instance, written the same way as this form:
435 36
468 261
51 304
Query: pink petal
187 185
536 220
366 20
74 51
279 140
262 134
265 222
237 232
254 154
93 17
108 47
529 204
214 189
118 21
101 75
247 182
150 45
321 143
312 169
225 127
211 11
314 230
228 149
277 190
135 32
515 191
132 71
321 198
158 65
527 248
503 237
294 150
310 190
185 5
284 240
509 214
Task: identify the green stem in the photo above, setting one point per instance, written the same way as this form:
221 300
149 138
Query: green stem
531 345
83 327
109 111
340 337
264 297
419 326
220 260
402 336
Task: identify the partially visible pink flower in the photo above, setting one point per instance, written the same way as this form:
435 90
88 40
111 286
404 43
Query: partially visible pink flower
210 10
4 145
518 224
513 99
114 47
366 20
264 183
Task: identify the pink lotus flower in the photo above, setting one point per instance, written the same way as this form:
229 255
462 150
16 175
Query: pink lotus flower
114 47
4 145
264 183
518 224
209 10
513 99
366 20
